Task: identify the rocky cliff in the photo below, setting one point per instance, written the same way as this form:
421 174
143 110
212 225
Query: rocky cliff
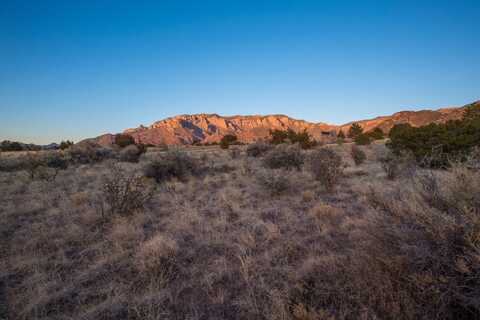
205 128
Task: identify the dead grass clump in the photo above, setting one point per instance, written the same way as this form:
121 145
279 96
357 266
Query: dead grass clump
275 181
156 258
235 153
284 156
429 239
397 165
172 164
358 155
124 193
326 166
258 149
130 153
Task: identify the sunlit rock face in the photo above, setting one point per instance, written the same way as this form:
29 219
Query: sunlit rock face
207 128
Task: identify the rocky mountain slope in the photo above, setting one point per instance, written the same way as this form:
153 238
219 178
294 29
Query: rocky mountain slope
205 128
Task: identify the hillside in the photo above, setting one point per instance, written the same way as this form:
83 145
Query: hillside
207 128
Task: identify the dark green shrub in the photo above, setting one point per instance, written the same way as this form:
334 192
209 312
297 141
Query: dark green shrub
439 143
358 155
123 140
340 137
278 136
326 166
363 139
227 140
302 138
284 156
7 145
171 164
65 145
376 134
355 130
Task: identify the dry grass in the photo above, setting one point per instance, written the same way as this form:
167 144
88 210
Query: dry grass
225 245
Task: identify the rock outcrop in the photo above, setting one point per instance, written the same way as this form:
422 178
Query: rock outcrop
208 128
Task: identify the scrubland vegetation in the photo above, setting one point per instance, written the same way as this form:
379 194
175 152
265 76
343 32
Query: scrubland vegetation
264 231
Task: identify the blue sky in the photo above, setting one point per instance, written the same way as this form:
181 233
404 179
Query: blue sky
77 69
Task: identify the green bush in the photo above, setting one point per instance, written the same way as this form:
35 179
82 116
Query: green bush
124 140
227 140
284 156
65 144
363 139
376 134
355 130
340 137
439 143
303 138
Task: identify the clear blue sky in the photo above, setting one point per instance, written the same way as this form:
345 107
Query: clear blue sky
76 69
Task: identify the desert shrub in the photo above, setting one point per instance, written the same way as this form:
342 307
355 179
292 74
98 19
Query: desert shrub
227 140
284 156
473 159
358 155
124 193
278 136
130 153
452 140
429 238
88 152
355 130
362 139
156 258
171 164
123 140
65 145
258 149
376 134
302 138
7 145
340 137
275 181
235 153
326 166
395 165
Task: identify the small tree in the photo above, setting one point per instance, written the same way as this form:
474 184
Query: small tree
376 134
340 137
227 140
278 136
123 140
355 130
363 139
65 144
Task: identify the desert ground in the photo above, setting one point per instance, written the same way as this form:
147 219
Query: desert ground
232 235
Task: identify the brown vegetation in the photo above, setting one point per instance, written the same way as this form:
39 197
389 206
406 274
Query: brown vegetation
231 236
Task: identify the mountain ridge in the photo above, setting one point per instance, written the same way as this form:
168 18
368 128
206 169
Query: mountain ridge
187 129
